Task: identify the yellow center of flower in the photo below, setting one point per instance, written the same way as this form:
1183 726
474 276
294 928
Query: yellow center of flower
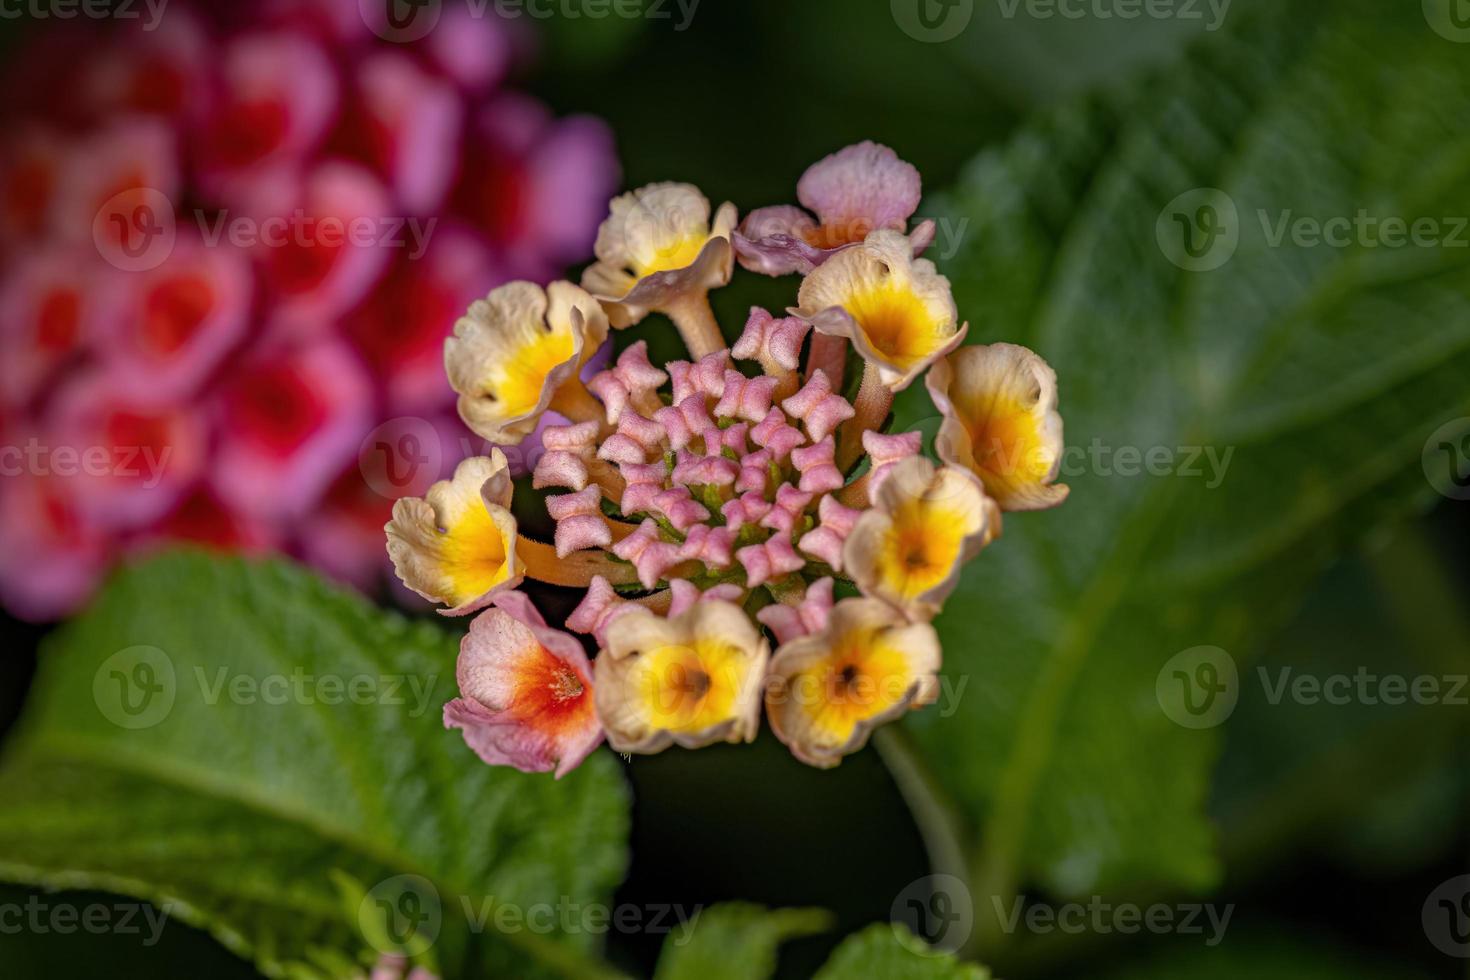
863 677
679 254
896 322
474 555
516 383
921 547
1006 440
687 689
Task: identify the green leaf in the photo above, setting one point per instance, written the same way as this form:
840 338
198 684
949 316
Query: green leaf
893 953
736 941
1321 370
287 770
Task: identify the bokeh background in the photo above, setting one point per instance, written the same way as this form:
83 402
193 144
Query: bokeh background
1333 825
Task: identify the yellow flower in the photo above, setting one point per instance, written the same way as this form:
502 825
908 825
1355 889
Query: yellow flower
828 691
657 248
457 545
897 310
688 680
1001 423
517 353
924 525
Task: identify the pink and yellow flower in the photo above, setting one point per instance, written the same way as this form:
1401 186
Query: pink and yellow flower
457 544
526 691
517 354
830 689
1001 423
854 192
925 524
689 680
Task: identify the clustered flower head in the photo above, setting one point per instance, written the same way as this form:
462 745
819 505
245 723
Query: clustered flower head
220 391
748 540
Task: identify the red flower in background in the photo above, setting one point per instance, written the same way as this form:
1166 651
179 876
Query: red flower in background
231 247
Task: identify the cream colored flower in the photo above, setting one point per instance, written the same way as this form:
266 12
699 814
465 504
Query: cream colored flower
1001 423
457 545
828 691
897 310
925 523
516 351
658 249
688 680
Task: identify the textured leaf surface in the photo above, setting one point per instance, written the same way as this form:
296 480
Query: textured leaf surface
736 941
878 952
1322 370
269 816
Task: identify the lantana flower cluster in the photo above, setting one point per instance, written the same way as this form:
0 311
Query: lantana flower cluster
307 206
749 540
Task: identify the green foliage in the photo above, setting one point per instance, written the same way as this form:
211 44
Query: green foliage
738 941
882 951
1261 958
1322 370
271 821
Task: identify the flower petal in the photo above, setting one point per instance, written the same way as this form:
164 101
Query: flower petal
526 691
456 545
897 310
858 190
925 524
687 680
1001 423
828 691
514 350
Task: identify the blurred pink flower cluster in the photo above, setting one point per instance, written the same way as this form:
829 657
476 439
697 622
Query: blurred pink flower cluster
231 247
